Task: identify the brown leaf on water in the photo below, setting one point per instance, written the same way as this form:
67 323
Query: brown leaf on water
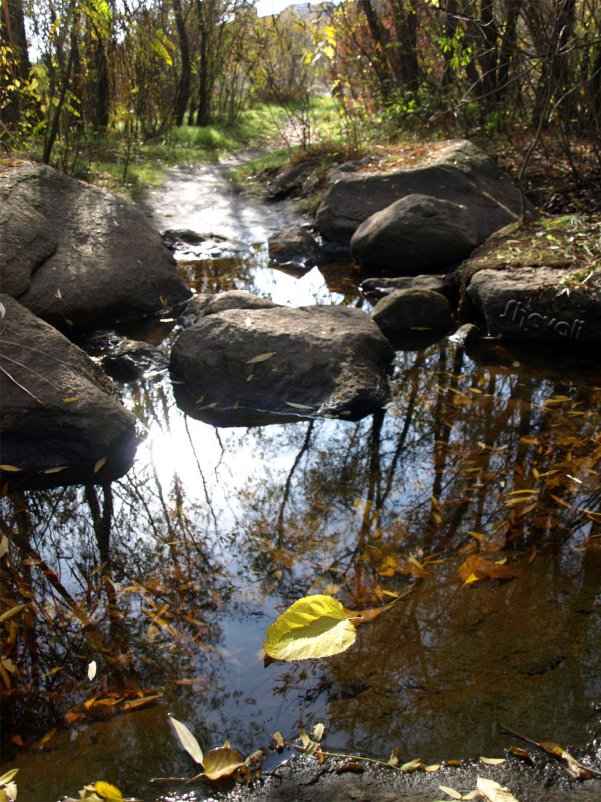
71 716
221 762
144 701
522 754
477 567
48 736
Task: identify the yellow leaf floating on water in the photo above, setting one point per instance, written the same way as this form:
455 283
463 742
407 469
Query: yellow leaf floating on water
314 626
99 464
10 468
108 791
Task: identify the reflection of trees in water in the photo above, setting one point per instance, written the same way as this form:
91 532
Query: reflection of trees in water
118 574
142 575
461 449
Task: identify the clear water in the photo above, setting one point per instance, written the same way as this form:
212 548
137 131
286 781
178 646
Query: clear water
169 577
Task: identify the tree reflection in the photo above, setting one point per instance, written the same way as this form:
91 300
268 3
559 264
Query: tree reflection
169 577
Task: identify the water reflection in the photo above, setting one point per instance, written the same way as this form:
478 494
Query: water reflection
169 577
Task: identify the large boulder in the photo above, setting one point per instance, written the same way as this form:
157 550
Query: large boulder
537 281
457 171
538 303
59 422
76 255
414 235
256 366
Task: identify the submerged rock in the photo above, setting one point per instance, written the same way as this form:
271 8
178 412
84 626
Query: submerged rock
415 235
458 172
59 422
76 255
256 366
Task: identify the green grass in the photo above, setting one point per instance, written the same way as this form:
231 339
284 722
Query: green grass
287 132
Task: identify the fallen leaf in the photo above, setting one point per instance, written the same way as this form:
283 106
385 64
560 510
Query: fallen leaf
477 567
261 358
412 765
493 792
297 406
221 762
188 741
10 468
522 754
143 701
108 791
450 792
314 626
99 464
92 667
492 761
8 777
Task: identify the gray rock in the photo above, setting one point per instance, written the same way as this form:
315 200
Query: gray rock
256 366
466 336
375 288
295 245
537 303
76 255
407 310
58 418
459 172
211 304
414 235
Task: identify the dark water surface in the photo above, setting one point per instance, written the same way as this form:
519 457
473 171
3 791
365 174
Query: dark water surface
169 577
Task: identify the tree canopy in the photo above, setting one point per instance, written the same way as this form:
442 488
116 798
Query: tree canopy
72 69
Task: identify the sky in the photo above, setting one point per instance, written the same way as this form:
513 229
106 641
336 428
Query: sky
265 7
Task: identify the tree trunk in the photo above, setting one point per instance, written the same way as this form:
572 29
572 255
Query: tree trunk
406 62
182 97
13 35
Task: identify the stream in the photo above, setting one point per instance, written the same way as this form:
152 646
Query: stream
152 595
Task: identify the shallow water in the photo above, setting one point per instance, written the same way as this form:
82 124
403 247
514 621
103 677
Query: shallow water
169 578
